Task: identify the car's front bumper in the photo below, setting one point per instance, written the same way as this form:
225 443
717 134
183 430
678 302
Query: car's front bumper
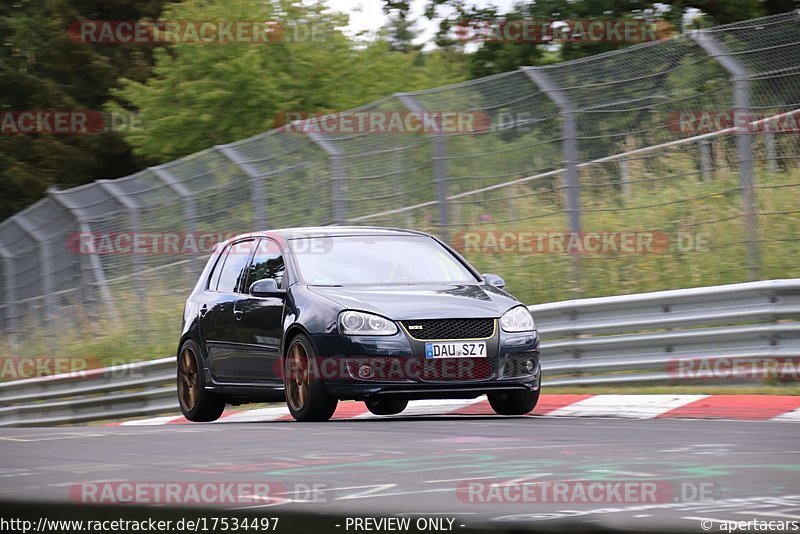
353 367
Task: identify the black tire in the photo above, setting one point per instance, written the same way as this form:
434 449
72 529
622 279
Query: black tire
386 406
196 403
305 394
513 402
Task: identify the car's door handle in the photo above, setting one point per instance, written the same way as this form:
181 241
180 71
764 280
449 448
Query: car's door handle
237 314
204 310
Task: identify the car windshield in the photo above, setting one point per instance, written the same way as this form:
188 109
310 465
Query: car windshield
348 260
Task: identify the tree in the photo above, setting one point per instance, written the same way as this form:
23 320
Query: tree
498 56
401 28
203 95
42 69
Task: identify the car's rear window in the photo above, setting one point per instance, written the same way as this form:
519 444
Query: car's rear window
350 260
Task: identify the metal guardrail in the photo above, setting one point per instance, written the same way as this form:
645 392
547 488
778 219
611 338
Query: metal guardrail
641 337
608 340
144 388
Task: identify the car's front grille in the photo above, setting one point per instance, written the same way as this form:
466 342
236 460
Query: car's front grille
426 329
457 369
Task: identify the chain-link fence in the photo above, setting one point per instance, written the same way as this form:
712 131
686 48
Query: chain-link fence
668 164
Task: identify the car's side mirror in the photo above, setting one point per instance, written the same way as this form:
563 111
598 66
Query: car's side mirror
494 280
267 287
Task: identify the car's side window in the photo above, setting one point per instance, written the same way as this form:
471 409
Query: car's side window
213 280
267 263
234 270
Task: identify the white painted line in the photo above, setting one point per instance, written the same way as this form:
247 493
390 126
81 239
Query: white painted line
438 406
368 493
784 513
562 446
258 415
793 416
626 406
624 473
526 478
50 437
150 422
459 479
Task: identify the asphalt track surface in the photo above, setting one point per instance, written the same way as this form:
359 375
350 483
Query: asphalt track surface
416 465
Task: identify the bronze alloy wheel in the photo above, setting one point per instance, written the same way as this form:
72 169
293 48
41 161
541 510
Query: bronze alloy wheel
297 383
305 392
189 382
197 403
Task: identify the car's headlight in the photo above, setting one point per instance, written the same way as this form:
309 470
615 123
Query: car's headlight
517 319
354 323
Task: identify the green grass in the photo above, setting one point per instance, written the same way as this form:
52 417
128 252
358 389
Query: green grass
104 339
677 208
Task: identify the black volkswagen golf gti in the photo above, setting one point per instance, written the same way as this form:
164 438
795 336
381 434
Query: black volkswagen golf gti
380 315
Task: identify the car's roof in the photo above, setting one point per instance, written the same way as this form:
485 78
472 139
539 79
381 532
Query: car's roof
329 231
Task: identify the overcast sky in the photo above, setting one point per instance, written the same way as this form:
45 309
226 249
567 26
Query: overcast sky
368 14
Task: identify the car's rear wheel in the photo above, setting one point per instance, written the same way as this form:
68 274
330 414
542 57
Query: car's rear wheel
197 404
386 406
513 402
305 395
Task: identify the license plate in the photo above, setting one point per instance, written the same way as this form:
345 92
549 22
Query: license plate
459 349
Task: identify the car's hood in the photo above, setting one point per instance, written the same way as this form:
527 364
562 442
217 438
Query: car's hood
426 301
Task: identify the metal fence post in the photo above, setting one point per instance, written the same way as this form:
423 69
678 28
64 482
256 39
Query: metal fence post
570 142
439 159
769 149
11 296
112 189
338 189
705 159
257 186
95 267
189 205
45 273
744 141
625 174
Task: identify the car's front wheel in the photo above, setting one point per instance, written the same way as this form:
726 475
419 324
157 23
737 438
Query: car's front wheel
386 406
197 404
305 396
513 402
